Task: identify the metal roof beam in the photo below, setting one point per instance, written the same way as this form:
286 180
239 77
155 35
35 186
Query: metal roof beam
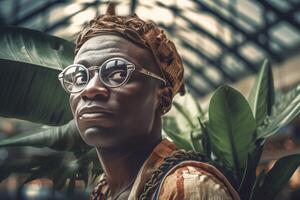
248 65
37 11
214 63
262 32
287 16
199 72
194 89
242 16
233 50
66 19
263 44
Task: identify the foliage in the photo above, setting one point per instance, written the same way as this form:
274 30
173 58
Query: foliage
231 133
234 134
284 110
232 128
277 178
29 64
261 98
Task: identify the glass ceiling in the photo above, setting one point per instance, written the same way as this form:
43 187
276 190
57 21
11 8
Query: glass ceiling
219 40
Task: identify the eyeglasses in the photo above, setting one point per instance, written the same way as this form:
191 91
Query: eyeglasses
114 72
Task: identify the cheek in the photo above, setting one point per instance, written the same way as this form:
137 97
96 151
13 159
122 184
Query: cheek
73 101
137 106
135 96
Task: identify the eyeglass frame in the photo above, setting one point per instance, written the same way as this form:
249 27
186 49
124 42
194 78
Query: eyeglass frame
129 65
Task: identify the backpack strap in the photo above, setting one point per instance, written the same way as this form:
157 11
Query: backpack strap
153 184
157 191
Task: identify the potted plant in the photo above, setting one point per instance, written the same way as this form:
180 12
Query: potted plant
231 134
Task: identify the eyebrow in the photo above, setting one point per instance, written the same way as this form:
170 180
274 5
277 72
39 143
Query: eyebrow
100 61
83 62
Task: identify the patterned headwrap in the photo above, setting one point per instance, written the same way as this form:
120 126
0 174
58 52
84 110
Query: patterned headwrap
145 34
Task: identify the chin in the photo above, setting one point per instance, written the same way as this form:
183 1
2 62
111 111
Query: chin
100 137
102 143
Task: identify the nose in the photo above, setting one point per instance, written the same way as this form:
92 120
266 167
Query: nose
95 89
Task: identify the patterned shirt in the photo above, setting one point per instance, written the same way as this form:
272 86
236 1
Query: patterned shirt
189 180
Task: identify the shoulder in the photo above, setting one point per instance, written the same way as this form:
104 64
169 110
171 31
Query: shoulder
196 180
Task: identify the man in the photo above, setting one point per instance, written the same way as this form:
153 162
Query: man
122 82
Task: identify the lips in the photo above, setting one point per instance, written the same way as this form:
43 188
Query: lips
93 112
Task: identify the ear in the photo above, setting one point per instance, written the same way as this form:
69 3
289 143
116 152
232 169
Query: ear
165 99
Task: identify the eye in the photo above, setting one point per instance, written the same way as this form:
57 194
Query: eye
80 78
117 75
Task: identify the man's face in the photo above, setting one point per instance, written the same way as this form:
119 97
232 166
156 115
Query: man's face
115 116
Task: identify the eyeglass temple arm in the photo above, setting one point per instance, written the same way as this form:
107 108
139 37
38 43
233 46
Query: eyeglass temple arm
141 70
146 72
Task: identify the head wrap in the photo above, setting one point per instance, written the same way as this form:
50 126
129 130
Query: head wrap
145 34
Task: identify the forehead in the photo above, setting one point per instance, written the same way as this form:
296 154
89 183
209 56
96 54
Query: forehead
102 47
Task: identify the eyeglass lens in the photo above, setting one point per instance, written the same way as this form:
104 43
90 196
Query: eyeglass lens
112 73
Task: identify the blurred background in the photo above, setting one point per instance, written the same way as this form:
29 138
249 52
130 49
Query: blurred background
220 41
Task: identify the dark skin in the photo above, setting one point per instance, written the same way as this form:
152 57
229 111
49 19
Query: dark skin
130 127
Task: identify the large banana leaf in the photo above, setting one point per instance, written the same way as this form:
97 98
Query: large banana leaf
61 170
29 64
261 98
61 138
27 159
232 128
285 109
60 167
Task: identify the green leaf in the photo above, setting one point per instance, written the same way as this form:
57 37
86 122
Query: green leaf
278 177
198 106
261 98
185 113
232 129
178 140
61 167
62 138
169 123
249 176
85 163
196 138
29 160
206 144
75 168
29 64
205 141
285 109
258 183
71 185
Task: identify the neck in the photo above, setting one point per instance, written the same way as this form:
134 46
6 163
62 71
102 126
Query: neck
121 166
